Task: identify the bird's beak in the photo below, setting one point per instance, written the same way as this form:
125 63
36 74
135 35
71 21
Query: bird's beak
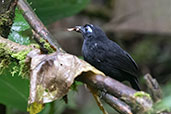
77 29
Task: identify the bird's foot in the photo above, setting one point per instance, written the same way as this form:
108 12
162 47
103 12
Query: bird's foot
102 93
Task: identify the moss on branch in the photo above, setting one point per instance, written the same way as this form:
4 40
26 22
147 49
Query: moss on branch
15 58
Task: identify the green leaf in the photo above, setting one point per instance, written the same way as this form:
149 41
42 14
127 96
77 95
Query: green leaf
14 90
52 10
167 97
19 23
19 38
164 104
20 30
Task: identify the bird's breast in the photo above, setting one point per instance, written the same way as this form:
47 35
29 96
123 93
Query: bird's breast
93 46
89 46
89 50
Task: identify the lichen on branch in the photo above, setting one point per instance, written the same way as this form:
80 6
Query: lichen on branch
15 54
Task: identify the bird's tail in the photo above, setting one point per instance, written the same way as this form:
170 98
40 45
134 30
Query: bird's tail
134 84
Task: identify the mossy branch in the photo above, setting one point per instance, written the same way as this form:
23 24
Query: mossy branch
11 52
7 14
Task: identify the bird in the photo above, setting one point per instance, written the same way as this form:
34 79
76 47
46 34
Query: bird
107 56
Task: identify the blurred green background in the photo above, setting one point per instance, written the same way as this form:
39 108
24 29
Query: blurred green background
143 28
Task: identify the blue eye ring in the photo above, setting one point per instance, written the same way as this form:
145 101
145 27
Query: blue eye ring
88 29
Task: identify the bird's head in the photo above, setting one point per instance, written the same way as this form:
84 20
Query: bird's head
89 31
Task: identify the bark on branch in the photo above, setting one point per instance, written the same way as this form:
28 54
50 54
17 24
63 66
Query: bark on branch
139 102
153 88
115 103
7 13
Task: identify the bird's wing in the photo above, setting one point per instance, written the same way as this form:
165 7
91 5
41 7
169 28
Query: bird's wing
124 63
120 59
132 60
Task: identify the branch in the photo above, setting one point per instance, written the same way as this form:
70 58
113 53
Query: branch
153 88
37 25
14 47
140 102
115 103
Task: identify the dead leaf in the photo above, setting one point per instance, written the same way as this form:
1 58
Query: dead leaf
52 75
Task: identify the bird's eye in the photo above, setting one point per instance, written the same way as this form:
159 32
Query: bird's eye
88 29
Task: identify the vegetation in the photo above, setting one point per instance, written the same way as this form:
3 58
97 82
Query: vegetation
150 50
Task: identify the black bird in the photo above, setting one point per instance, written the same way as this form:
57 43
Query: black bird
107 56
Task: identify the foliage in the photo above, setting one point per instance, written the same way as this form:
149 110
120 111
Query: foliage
5 54
164 104
14 90
17 59
52 10
20 30
23 68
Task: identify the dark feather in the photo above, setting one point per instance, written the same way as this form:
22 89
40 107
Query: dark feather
108 56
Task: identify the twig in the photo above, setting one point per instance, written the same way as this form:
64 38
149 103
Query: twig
115 103
37 25
153 88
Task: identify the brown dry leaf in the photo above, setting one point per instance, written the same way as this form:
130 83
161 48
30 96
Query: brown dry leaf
52 75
